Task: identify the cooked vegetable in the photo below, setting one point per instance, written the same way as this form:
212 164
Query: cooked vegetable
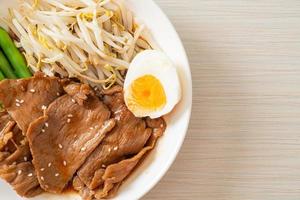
92 40
1 78
13 55
6 68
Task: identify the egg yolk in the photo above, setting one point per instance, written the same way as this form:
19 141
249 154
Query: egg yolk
148 92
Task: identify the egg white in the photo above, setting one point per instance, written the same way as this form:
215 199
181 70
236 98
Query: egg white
157 64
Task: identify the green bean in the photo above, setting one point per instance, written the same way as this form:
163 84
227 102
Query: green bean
5 67
1 76
14 56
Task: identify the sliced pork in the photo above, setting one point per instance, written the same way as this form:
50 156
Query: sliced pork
22 178
116 173
4 119
66 135
114 159
56 134
26 99
15 160
128 137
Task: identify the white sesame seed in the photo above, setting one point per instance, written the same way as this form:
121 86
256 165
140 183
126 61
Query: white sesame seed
68 120
57 174
30 175
103 166
18 105
46 124
19 172
118 111
44 107
118 117
73 100
109 149
25 158
58 94
65 163
161 125
43 130
91 128
22 101
49 164
17 100
42 178
70 115
42 169
32 90
60 146
83 149
115 148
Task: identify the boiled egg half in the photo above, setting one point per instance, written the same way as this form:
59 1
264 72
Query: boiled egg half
151 87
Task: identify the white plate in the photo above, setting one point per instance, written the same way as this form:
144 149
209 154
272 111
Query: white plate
160 159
